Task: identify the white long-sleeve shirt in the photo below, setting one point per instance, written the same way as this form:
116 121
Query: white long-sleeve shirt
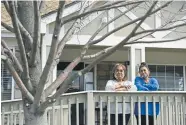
110 86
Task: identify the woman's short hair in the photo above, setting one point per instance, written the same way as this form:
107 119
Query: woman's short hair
124 68
143 64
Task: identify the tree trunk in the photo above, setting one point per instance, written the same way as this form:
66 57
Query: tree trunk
33 119
26 16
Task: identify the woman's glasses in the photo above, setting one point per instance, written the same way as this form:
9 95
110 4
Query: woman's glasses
119 70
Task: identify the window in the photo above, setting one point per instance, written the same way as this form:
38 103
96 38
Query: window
84 82
77 84
89 79
9 89
6 83
170 78
104 73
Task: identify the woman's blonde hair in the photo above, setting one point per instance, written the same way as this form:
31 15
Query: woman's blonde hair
124 68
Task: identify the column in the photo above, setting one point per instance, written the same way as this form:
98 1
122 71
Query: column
136 56
45 52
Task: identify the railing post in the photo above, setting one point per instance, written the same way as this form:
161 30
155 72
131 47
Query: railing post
184 113
90 109
3 115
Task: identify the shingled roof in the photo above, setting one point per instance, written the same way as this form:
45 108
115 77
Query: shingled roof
48 8
4 15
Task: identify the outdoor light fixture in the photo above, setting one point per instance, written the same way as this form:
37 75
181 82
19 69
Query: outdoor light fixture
127 63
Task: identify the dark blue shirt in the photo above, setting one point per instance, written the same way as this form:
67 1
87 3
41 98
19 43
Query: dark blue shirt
152 85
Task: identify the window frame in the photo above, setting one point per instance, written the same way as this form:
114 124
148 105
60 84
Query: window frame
184 72
12 97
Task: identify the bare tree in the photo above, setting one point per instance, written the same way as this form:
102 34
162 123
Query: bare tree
28 74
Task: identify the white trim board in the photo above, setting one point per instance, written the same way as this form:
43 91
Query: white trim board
82 39
165 33
131 16
110 16
88 20
7 34
67 11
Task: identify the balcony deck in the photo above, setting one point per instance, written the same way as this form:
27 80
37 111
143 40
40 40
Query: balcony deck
89 108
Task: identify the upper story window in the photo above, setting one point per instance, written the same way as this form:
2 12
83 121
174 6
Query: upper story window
170 77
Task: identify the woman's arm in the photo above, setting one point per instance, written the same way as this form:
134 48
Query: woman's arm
110 86
132 86
121 89
153 85
139 85
117 86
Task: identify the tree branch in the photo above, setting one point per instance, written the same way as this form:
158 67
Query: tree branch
64 85
93 4
86 57
69 33
36 38
87 45
51 57
130 43
21 46
156 41
160 29
109 4
18 81
25 33
9 28
62 89
3 43
41 4
70 67
62 76
112 49
22 29
133 42
127 24
97 10
149 33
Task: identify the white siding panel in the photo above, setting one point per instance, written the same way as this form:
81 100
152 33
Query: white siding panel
11 42
178 32
94 25
70 54
124 19
141 10
166 56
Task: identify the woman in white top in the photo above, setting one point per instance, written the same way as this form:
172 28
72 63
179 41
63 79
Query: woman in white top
119 83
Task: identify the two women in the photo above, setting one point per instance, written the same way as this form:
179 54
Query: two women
120 83
143 83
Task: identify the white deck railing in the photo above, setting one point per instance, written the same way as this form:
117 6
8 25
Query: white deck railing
91 108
